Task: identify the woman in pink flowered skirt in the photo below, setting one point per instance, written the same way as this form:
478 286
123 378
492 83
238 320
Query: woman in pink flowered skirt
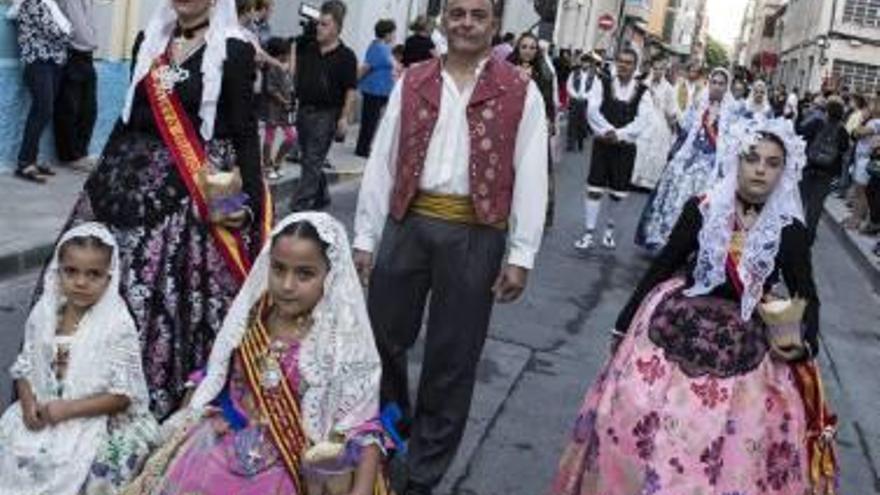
701 396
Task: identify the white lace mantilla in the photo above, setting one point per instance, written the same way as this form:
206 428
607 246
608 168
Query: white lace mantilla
339 362
719 214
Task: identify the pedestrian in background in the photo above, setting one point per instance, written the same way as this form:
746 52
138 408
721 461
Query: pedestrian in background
419 46
76 106
827 144
529 58
867 136
262 14
43 40
619 109
326 82
279 95
579 84
376 76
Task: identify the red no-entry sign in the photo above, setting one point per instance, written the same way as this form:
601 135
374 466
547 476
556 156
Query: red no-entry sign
606 22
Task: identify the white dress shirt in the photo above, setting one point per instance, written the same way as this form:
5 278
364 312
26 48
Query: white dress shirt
447 169
580 91
600 124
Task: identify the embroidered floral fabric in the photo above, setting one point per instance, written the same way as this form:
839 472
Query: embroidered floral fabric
646 427
705 336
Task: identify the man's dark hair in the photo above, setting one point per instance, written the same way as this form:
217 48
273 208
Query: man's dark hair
509 37
834 109
630 52
335 9
859 101
384 27
495 9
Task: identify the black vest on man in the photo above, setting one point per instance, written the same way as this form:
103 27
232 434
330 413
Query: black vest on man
612 164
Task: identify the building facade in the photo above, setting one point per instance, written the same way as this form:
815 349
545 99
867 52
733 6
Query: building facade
830 43
757 46
577 24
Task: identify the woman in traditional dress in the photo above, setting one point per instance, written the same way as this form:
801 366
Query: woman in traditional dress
756 105
81 425
529 58
693 168
179 184
712 389
290 399
653 145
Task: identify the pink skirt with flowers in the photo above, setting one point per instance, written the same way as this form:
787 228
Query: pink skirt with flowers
691 404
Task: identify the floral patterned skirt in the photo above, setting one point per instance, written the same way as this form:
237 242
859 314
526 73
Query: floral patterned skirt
174 278
653 425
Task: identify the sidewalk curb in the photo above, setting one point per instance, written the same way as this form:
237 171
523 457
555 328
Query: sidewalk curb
847 238
14 264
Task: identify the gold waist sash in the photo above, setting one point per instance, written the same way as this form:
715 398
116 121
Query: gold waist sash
449 207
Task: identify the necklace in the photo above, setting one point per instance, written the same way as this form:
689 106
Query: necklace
271 371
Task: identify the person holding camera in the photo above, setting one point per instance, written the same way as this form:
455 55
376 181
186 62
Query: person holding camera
326 81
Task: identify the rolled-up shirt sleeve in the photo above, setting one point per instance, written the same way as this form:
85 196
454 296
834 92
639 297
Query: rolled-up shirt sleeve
375 194
529 205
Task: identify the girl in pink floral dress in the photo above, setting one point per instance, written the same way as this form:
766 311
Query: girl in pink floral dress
702 396
289 402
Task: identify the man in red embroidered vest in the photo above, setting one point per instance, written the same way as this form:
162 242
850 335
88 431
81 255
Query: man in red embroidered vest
452 205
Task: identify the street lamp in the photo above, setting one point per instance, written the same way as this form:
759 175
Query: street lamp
823 44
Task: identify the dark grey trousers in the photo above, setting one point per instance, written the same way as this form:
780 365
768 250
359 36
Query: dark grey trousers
316 128
455 265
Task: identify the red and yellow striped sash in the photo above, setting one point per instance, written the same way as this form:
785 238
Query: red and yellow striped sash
188 153
278 405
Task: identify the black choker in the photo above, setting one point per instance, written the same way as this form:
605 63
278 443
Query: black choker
749 206
190 32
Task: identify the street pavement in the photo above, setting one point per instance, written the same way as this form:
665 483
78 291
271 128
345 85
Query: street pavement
545 350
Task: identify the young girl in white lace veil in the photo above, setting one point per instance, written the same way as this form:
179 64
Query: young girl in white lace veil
81 425
289 402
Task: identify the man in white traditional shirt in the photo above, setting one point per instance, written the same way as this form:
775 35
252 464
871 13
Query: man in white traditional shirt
452 204
579 83
618 110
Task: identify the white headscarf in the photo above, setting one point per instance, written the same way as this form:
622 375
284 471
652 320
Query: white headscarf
338 363
783 207
107 321
765 109
725 117
224 25
104 358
